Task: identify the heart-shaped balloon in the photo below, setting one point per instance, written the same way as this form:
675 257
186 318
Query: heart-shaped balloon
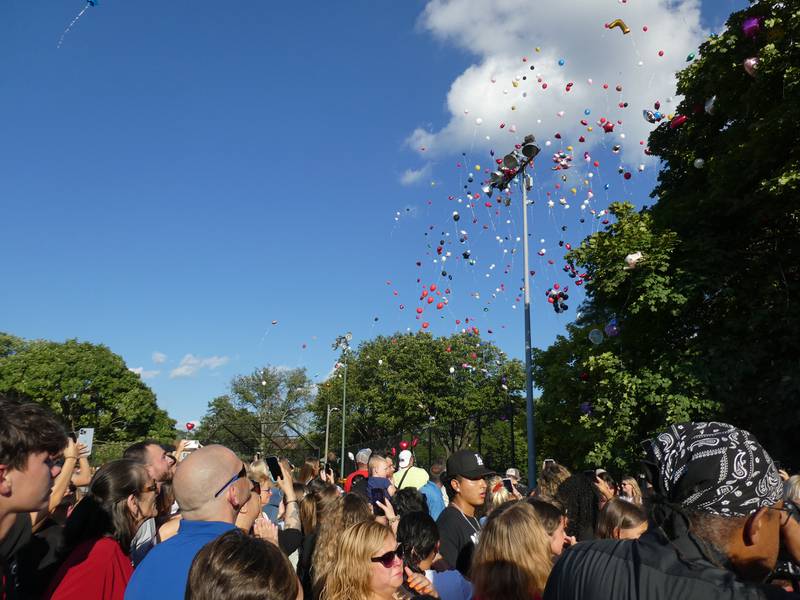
751 66
404 445
414 442
189 426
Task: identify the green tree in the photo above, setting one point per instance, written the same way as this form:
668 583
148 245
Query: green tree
408 385
263 411
707 325
88 386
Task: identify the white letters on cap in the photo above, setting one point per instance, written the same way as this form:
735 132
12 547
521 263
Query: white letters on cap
479 460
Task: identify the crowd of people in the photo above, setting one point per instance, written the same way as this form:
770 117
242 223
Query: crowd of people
709 516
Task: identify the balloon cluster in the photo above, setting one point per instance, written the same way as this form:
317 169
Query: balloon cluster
572 272
557 297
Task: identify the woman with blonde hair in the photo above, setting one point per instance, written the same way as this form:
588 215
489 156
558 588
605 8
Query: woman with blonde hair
369 566
513 558
630 490
351 510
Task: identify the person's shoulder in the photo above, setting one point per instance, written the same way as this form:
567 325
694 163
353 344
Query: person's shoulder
448 515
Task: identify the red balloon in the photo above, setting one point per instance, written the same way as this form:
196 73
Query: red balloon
433 287
419 310
440 305
403 445
425 325
414 442
394 451
189 426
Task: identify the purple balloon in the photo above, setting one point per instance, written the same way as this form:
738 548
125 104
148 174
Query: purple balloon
751 27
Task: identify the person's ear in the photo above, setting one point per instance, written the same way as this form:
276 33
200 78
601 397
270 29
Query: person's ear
615 533
754 527
133 505
5 481
455 485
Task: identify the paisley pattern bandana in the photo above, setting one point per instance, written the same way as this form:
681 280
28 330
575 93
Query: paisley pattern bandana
713 468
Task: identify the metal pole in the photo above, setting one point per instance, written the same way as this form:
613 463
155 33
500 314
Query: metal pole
513 447
327 432
528 375
344 406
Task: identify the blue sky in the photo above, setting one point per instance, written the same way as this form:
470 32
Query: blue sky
178 175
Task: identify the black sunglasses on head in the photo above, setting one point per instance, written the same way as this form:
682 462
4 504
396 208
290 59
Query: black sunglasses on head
387 560
239 475
256 486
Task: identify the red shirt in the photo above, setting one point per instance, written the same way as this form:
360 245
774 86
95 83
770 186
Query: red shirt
348 482
95 570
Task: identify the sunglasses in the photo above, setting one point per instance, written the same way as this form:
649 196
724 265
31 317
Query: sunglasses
387 560
256 486
236 477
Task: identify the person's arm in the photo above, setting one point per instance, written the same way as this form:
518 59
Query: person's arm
291 516
85 475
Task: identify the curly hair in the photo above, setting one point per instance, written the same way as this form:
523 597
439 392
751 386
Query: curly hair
581 502
550 477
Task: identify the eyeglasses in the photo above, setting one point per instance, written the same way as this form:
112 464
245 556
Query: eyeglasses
236 477
256 486
387 560
789 510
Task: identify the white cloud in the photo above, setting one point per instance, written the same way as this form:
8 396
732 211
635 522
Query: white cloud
501 32
412 176
190 365
159 358
141 372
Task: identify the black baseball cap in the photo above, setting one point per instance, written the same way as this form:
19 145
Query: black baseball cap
467 464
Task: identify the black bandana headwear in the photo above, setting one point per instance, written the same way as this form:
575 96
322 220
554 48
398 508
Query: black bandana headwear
713 468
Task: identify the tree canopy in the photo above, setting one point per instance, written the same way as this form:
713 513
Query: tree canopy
705 322
412 384
86 384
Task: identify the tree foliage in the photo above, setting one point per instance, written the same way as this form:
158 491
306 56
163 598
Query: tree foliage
406 384
262 412
707 319
86 384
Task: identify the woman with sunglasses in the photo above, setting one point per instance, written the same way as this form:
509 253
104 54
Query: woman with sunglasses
369 566
98 533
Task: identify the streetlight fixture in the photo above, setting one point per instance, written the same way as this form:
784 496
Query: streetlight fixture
343 342
513 165
327 430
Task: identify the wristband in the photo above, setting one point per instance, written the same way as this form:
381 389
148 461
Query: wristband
290 501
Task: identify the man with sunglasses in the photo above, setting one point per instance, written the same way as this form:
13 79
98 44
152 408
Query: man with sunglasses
211 486
716 521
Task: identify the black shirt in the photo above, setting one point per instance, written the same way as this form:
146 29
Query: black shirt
458 535
651 568
16 538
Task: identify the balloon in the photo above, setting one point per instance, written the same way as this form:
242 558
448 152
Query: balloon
189 426
456 216
699 163
612 328
690 57
586 408
403 445
425 325
709 105
751 26
677 121
274 322
394 451
632 260
414 442
751 66
619 23
596 336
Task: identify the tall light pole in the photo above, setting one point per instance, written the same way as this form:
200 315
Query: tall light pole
327 431
514 165
343 342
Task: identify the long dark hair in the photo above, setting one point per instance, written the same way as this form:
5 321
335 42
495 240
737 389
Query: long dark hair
104 510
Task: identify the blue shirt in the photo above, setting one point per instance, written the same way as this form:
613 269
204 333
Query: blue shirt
164 572
433 496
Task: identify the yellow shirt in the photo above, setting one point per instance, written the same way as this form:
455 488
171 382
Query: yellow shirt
416 477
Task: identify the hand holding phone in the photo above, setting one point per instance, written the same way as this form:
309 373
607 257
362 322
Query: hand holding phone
377 497
274 468
86 437
509 485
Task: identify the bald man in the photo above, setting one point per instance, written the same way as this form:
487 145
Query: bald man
210 486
